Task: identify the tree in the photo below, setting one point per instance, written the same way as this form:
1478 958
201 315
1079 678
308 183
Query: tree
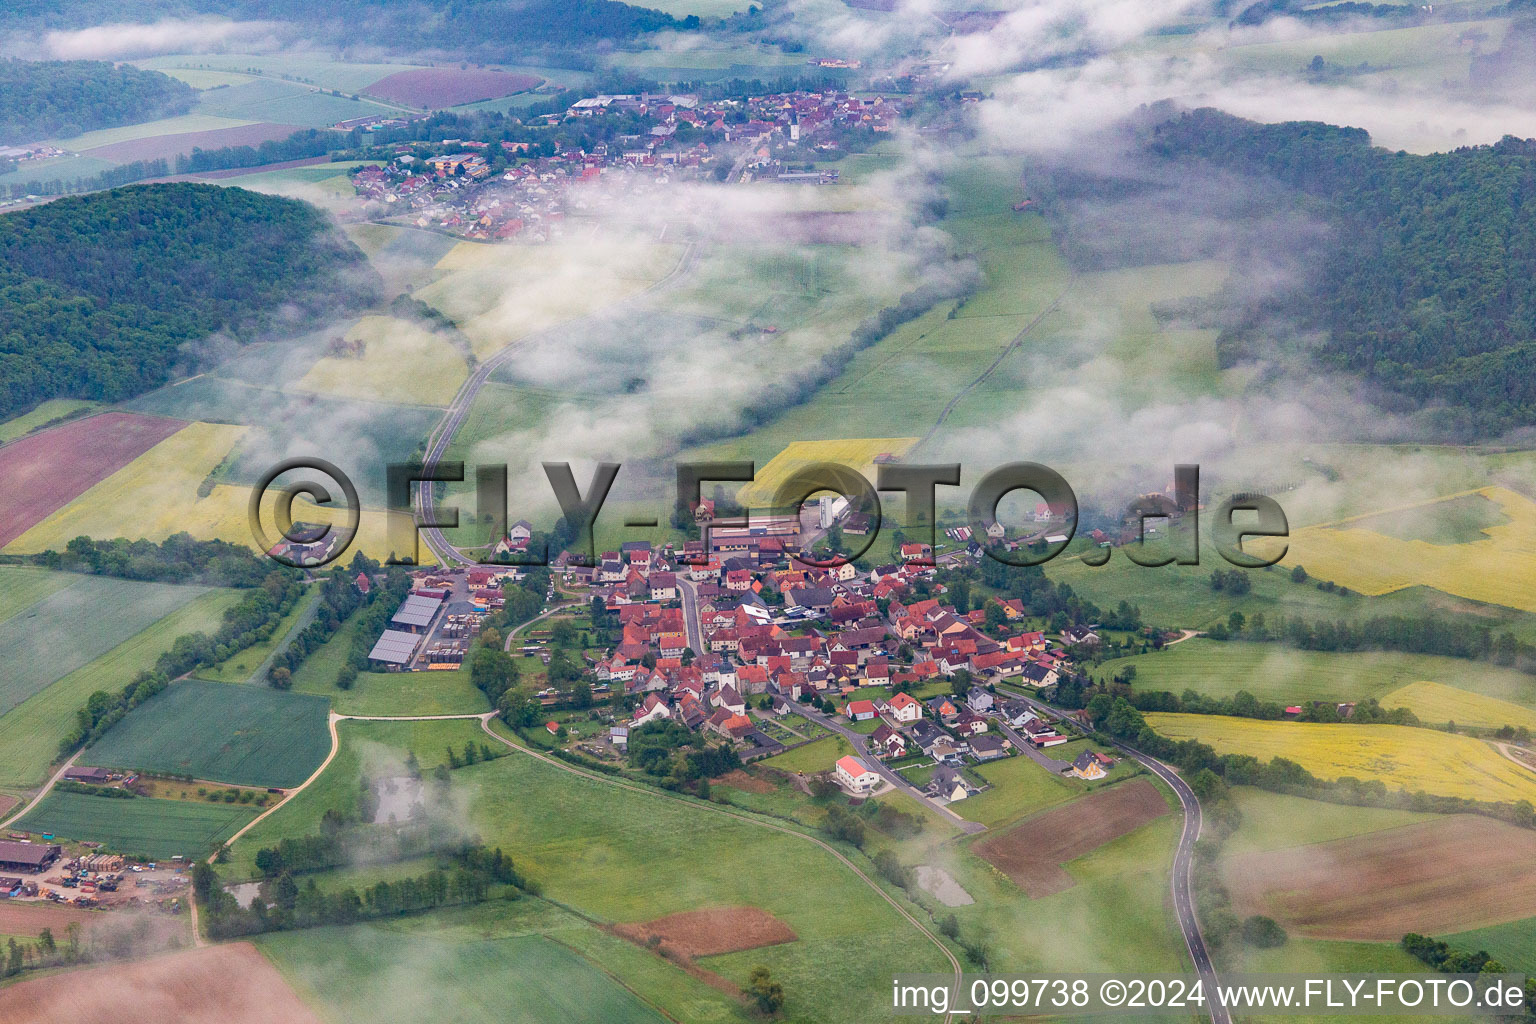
767 993
703 789
280 679
1263 932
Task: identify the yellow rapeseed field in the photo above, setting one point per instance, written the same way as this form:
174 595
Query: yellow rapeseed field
1500 569
1443 764
155 496
856 453
400 363
1437 703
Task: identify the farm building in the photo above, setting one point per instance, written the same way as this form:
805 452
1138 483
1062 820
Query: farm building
29 857
94 776
416 613
394 648
855 775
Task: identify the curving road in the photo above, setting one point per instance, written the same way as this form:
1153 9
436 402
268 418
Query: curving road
1183 859
442 435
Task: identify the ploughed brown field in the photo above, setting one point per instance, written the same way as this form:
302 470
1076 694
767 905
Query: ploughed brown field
32 918
41 473
225 984
697 933
154 147
435 88
1448 875
1032 854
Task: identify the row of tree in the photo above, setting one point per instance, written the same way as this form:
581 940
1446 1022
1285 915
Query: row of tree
177 559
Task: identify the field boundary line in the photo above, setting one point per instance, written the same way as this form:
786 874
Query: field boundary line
485 725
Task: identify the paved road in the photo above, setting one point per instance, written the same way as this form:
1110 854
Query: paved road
861 748
441 436
1183 859
691 624
29 804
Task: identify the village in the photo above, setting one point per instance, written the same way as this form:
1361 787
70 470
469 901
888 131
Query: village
496 190
737 637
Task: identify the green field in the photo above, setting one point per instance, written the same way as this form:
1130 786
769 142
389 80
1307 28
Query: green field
1020 787
531 960
317 69
817 756
1274 821
355 974
45 413
76 624
1513 943
1460 520
269 99
242 734
22 586
154 828
30 733
386 693
1279 673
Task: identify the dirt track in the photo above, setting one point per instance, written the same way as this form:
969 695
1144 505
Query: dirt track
1032 854
229 984
1446 875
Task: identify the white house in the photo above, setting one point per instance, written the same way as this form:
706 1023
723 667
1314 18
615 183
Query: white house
856 776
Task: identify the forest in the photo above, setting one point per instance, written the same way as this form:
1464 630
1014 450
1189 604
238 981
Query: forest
63 98
100 293
1425 283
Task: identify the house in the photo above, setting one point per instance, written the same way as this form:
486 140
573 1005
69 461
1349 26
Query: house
989 748
856 776
980 700
664 586
924 733
1016 713
553 727
1039 675
948 784
905 708
968 725
943 708
887 742
1072 636
944 750
916 553
652 708
1088 767
860 710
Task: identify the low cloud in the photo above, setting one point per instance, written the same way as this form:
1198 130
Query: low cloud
125 40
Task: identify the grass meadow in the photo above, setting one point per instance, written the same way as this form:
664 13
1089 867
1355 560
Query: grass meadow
155 828
72 626
238 668
30 732
244 734
45 413
1279 673
386 693
1442 764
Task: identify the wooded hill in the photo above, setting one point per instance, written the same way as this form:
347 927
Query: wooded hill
98 292
1426 284
62 98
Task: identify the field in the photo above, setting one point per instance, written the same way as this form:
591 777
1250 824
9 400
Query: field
169 146
158 829
1449 874
156 495
1287 675
818 756
525 960
1032 853
1439 704
44 472
30 732
1514 943
1497 568
386 693
23 586
401 363
1019 787
239 668
30 918
1403 758
696 933
44 414
244 734
224 984
180 125
854 453
435 88
1275 821
76 624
